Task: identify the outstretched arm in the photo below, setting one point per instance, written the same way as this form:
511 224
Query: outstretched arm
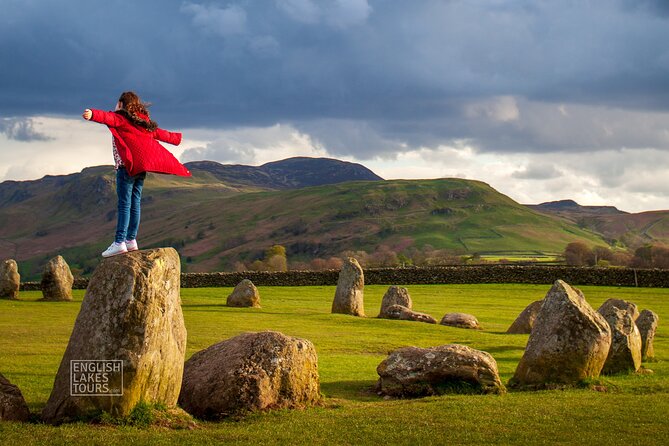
168 137
108 118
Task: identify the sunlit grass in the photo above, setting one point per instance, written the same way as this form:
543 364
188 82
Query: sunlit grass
33 337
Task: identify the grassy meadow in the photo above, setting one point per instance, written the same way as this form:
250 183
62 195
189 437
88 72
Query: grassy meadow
33 337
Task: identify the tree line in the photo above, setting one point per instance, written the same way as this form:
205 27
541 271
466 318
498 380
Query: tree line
649 256
575 254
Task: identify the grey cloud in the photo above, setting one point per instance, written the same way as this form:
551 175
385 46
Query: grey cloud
359 139
224 21
21 129
336 13
305 11
393 74
537 172
223 153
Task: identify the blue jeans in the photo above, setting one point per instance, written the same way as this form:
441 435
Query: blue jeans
129 192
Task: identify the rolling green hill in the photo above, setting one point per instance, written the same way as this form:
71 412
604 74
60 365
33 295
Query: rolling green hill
214 224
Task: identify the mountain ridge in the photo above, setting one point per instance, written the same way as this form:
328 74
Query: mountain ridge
569 206
290 173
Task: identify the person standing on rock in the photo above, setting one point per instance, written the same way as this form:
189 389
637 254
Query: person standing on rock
136 151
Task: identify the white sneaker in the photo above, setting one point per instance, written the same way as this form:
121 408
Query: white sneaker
131 245
115 249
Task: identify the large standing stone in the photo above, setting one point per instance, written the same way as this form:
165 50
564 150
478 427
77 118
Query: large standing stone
404 314
396 295
245 294
460 320
131 312
57 280
625 352
452 368
10 280
12 405
647 324
350 286
252 371
621 304
569 342
525 320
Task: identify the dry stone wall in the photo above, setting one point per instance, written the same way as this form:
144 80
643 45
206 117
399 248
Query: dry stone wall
542 275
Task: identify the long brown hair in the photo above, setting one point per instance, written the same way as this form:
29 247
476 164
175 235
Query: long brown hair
136 110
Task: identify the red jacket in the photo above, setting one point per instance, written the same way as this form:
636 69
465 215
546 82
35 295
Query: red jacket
138 148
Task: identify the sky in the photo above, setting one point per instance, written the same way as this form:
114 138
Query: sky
543 100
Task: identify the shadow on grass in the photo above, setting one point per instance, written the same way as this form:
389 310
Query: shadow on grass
505 348
350 390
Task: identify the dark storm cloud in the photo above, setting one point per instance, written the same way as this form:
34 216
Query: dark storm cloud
21 130
369 77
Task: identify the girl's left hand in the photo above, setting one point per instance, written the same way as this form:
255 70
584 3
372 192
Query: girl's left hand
87 114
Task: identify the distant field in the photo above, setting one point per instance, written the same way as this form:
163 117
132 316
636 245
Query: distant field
33 337
523 256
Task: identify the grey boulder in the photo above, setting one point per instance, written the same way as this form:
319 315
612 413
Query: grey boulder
412 372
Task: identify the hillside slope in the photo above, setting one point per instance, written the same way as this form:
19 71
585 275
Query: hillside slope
618 227
460 215
214 223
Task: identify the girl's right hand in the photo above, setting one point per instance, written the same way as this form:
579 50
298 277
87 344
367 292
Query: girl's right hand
87 114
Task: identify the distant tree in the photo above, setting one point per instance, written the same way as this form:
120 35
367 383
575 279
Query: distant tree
661 257
651 256
578 254
404 260
384 256
275 260
318 264
275 250
277 263
361 256
600 253
334 263
258 265
622 258
643 257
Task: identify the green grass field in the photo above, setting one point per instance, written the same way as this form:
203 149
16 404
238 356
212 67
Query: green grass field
33 337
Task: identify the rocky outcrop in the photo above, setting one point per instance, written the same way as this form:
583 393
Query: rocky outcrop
411 372
250 372
625 352
130 316
396 295
647 324
12 405
245 294
10 280
569 342
350 290
460 320
621 304
404 314
525 320
57 280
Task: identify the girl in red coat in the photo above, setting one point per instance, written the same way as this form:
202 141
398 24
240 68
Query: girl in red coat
136 151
